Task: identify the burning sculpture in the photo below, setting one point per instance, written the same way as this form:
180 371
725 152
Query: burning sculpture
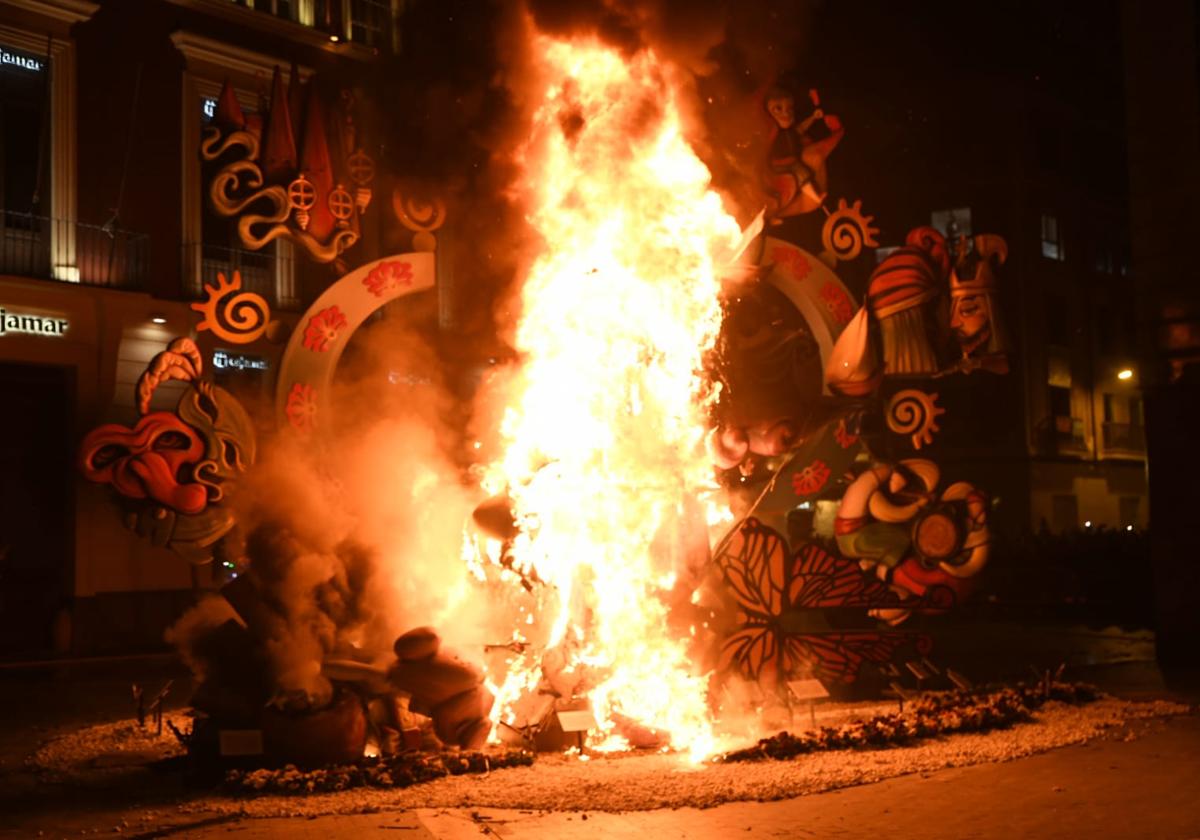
683 393
601 438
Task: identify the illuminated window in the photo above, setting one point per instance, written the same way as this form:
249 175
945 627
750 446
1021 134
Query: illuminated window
1058 370
1052 246
882 254
371 22
367 22
956 222
32 242
286 9
23 153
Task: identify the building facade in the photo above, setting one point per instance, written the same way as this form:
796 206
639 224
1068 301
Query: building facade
105 240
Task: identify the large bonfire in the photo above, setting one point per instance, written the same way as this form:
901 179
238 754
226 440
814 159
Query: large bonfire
602 437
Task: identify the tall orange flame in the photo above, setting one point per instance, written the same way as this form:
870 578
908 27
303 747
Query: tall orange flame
603 431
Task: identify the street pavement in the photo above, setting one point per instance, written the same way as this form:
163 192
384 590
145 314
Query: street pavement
1141 788
1145 787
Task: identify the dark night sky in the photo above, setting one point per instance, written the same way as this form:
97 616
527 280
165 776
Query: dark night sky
935 96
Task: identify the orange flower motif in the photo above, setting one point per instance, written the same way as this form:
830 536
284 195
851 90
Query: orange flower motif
839 303
301 408
843 437
810 479
387 276
323 328
793 259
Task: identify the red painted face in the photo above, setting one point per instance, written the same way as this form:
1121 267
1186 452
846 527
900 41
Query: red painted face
146 461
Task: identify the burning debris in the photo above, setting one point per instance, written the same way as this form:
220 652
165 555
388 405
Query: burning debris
280 677
601 452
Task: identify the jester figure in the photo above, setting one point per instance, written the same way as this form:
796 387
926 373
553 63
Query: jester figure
975 319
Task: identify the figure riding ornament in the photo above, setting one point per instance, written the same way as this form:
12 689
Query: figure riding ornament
796 176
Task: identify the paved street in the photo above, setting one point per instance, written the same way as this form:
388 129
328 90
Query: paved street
1143 787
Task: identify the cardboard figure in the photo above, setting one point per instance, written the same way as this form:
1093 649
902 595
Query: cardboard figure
443 687
797 176
894 522
900 296
975 318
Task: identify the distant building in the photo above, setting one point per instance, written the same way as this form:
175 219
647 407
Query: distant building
1061 200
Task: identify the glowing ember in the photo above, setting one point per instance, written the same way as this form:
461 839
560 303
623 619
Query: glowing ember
603 432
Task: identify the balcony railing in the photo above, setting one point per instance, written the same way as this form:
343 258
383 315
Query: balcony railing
270 272
1130 437
60 249
1063 435
1069 429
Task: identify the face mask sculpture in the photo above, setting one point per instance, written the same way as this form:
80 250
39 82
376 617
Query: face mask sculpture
974 317
171 468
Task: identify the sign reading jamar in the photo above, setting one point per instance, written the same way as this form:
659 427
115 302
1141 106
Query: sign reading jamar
22 322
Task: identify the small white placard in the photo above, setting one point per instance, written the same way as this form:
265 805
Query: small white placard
807 689
578 721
